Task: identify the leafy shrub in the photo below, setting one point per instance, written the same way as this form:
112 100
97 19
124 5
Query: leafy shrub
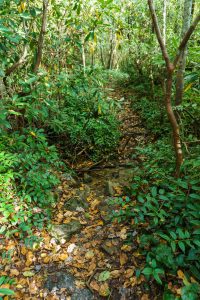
28 174
71 107
166 211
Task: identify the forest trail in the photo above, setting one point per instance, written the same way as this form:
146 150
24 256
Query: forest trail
85 254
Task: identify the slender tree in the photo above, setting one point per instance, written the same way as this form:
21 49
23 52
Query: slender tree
170 68
182 61
41 36
164 20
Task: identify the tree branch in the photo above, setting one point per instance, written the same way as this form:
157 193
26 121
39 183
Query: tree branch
41 37
159 35
186 38
18 63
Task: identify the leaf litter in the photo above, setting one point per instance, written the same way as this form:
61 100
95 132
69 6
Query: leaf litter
97 255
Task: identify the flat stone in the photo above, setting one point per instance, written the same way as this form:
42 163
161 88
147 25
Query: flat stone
60 280
70 180
87 178
82 294
109 247
84 194
106 207
109 188
76 202
65 230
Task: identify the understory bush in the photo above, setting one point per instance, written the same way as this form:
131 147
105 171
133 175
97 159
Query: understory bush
28 173
70 107
166 213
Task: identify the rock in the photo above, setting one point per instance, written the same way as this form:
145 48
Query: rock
106 208
65 280
38 268
115 174
87 178
85 193
76 203
70 180
109 188
60 280
65 230
109 247
82 294
105 216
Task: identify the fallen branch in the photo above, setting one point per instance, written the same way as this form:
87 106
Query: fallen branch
104 167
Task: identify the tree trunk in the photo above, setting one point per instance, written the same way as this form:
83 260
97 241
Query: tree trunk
102 57
41 37
182 62
109 65
164 21
83 56
173 121
170 67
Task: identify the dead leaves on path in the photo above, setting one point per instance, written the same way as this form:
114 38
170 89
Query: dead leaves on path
98 256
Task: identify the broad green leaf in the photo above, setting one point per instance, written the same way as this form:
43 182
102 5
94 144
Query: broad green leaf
147 271
6 292
181 246
103 276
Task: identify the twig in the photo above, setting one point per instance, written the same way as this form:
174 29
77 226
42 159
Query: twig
91 276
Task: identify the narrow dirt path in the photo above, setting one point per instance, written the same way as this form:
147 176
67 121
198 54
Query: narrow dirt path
94 259
86 254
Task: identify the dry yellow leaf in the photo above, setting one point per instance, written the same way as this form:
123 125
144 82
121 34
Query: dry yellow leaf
63 256
43 255
5 286
94 203
180 274
19 286
89 254
14 272
104 290
94 285
29 258
123 258
129 273
23 250
92 267
46 259
126 248
133 281
22 282
33 288
115 273
145 297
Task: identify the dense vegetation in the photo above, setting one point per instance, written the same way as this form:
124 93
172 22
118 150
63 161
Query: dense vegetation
59 60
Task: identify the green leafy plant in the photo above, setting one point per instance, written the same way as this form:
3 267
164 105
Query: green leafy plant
5 291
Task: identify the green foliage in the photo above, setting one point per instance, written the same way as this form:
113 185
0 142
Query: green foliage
71 106
28 173
170 210
6 291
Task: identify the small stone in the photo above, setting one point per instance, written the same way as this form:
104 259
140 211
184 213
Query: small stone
65 230
71 248
60 280
70 180
87 178
109 188
38 268
109 248
82 294
76 203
